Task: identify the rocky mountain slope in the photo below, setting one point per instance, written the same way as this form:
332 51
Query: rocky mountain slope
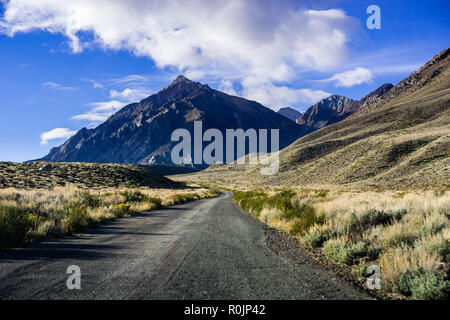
140 132
336 108
290 113
399 140
325 111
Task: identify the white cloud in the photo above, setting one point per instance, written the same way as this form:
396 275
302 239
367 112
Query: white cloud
227 87
202 39
130 94
108 106
352 78
95 84
57 133
279 96
100 111
132 79
54 85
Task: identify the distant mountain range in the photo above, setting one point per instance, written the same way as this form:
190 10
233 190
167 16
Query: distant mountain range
336 108
398 139
141 132
290 113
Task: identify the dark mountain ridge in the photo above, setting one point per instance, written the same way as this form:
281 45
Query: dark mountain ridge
336 108
290 113
140 132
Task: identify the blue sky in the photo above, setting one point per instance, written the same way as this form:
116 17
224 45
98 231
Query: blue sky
67 66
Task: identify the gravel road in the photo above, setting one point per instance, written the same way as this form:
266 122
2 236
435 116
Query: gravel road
207 249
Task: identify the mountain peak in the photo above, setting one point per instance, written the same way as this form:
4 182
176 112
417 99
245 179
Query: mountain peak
181 86
290 113
181 79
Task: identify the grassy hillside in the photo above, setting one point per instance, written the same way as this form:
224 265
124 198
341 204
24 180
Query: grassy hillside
373 189
401 141
84 175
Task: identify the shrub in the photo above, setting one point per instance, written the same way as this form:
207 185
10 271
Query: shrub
14 226
133 196
433 227
360 270
423 285
76 217
341 252
316 238
321 193
88 200
300 210
441 246
150 203
303 214
122 210
358 224
401 239
156 202
49 229
374 252
183 198
402 260
251 201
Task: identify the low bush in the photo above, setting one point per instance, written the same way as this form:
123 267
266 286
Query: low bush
76 217
341 252
122 210
360 270
302 215
14 226
357 224
133 196
156 202
49 229
251 201
88 200
316 238
433 226
439 245
183 198
423 285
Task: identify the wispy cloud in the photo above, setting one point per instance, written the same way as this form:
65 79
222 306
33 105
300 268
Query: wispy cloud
57 86
100 111
132 79
24 65
396 68
57 133
352 78
130 94
95 84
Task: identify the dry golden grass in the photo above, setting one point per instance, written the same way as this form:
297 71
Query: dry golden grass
402 144
43 213
406 233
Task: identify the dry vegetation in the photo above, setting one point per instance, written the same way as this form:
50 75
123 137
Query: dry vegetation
406 233
365 181
27 215
29 175
400 143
